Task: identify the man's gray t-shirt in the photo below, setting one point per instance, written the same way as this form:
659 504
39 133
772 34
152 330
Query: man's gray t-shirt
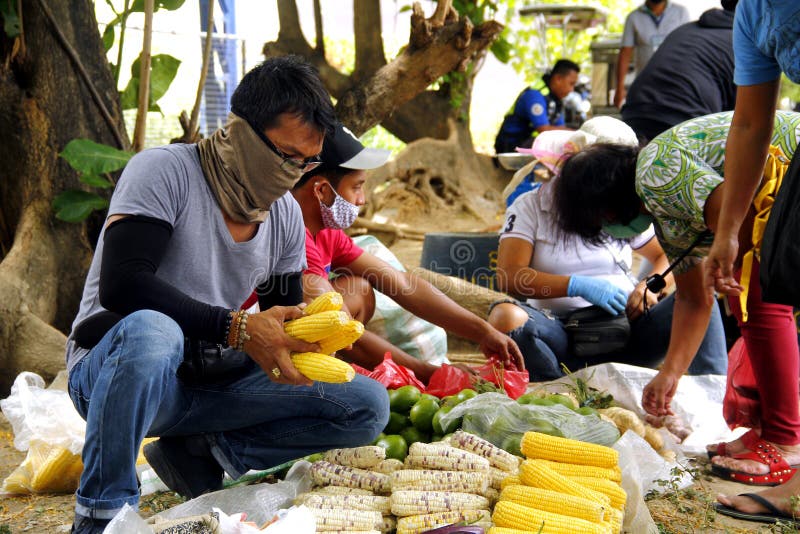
645 32
202 259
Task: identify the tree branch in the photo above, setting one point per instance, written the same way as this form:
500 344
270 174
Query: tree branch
320 36
144 78
73 56
193 130
368 38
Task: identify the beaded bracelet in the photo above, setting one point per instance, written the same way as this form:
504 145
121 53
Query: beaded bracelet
233 335
227 330
243 337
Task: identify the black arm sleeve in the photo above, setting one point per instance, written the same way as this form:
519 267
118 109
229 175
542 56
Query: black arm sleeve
280 290
132 250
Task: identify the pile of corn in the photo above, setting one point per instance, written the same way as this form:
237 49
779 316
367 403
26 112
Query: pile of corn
324 323
438 484
563 486
627 420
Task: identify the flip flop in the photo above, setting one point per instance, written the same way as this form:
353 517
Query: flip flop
762 452
773 516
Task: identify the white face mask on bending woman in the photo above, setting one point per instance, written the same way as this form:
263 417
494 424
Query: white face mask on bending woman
339 215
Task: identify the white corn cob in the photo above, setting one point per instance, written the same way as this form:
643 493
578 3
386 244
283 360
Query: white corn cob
388 466
365 457
416 502
435 480
368 503
325 473
389 524
415 524
497 476
492 495
353 532
427 456
340 490
328 519
496 456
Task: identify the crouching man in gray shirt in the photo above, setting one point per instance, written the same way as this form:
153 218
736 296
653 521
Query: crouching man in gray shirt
160 347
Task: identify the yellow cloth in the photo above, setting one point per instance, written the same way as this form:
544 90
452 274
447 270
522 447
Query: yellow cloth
774 170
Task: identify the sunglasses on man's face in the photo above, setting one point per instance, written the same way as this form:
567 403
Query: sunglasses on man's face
305 165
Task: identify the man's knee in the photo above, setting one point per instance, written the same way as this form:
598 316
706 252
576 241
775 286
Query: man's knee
373 412
359 296
151 339
507 316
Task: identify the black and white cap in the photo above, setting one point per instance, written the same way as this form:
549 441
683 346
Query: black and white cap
343 149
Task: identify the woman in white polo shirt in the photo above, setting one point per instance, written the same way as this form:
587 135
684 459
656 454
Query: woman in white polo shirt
558 274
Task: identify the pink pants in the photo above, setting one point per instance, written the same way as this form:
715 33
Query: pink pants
770 335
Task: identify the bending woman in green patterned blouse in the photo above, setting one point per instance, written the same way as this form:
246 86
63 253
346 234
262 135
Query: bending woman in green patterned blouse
676 182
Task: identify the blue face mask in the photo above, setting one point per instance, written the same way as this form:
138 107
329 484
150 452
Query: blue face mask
627 231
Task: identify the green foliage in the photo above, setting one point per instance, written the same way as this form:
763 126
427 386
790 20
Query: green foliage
380 137
163 69
75 205
534 52
11 24
169 5
91 160
790 90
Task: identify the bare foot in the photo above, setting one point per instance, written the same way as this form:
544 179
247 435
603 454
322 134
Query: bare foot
731 447
790 453
779 496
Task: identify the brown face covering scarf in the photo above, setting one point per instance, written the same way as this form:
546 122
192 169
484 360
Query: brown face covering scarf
243 173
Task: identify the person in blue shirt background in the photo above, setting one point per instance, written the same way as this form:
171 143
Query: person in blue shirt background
538 108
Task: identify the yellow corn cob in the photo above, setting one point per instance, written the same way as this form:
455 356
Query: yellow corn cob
345 336
438 456
353 532
415 524
328 519
506 530
510 480
555 502
322 368
496 456
330 301
312 328
416 502
533 473
388 466
367 503
364 457
325 473
52 469
434 480
613 490
538 445
340 490
512 515
576 470
616 521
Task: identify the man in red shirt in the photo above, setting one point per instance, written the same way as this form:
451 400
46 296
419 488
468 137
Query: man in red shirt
330 197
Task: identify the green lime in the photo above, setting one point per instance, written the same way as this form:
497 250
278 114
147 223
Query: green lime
544 427
396 447
413 435
586 410
466 394
380 436
437 425
397 422
538 401
422 414
512 444
429 396
450 400
404 398
392 396
435 438
527 398
562 399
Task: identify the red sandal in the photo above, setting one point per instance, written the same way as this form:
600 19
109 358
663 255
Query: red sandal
721 449
762 452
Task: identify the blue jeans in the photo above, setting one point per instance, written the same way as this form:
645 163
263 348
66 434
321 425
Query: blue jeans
545 346
126 389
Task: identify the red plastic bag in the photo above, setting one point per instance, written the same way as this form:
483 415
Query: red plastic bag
741 405
391 374
448 380
512 381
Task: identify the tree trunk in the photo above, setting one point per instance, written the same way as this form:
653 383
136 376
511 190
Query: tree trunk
45 105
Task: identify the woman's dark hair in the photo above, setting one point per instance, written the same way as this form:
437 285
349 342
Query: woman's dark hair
596 186
279 85
562 67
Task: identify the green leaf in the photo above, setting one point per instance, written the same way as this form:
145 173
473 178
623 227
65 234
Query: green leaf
108 38
90 158
163 69
169 5
404 8
74 205
11 25
95 181
501 49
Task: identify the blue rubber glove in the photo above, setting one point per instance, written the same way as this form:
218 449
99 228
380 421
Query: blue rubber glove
599 292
